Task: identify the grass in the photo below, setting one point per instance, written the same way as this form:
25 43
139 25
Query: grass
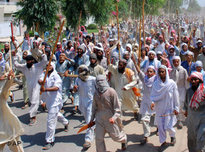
92 31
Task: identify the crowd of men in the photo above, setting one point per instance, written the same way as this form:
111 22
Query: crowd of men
158 75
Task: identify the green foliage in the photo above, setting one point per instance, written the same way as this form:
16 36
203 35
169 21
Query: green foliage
171 6
151 7
92 26
42 12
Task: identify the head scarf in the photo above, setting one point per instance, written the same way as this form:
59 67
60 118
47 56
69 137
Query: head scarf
149 81
101 84
198 96
83 73
197 75
160 88
129 46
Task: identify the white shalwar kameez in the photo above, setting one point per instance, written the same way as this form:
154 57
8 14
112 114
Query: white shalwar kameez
180 75
145 109
54 104
32 76
127 98
86 90
166 98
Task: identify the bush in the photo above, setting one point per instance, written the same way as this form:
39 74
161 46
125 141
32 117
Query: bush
92 26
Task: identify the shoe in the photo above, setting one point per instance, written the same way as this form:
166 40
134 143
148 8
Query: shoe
48 146
66 128
86 145
173 141
12 97
180 125
144 141
32 121
162 147
136 116
124 146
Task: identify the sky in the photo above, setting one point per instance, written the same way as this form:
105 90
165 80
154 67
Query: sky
201 3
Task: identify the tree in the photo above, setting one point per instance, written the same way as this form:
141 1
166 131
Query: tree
171 6
152 7
193 7
99 9
41 13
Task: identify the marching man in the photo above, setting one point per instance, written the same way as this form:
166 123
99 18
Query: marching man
53 97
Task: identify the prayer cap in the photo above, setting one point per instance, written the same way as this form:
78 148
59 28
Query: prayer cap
151 51
36 34
199 64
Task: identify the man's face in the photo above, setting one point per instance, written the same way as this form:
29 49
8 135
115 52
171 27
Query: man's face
159 56
99 53
121 67
128 49
80 51
150 72
126 56
162 73
195 82
171 51
151 56
69 45
148 42
25 55
176 63
62 58
189 57
160 39
50 68
185 48
171 41
198 69
93 61
199 44
6 47
58 46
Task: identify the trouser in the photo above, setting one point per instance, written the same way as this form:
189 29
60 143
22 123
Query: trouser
114 132
89 135
145 122
196 137
52 119
33 109
14 145
76 99
162 132
25 90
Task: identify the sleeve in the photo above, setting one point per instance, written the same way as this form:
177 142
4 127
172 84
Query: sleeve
41 77
94 108
116 105
43 62
187 84
141 76
112 68
18 66
177 50
133 83
186 102
58 81
176 98
87 62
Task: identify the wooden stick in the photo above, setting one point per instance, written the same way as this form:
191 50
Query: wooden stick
143 20
178 27
78 30
49 63
118 28
140 34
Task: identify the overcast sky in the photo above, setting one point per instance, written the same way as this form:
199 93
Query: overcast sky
201 3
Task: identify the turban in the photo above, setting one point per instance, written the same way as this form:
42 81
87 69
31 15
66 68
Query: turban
197 75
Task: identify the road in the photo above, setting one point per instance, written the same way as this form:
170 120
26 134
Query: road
34 136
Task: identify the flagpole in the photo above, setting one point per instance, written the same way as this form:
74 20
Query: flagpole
118 28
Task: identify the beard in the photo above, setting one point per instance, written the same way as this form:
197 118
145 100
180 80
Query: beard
6 50
194 88
29 65
121 70
100 57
